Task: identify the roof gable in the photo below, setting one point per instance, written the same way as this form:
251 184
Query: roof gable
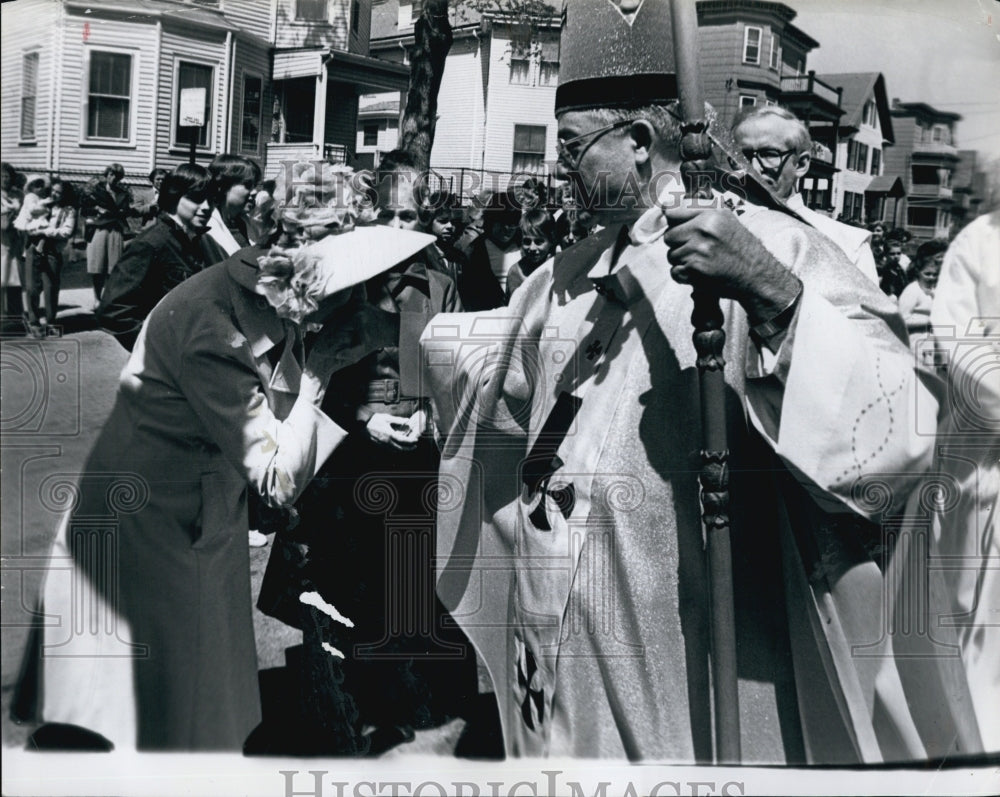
859 88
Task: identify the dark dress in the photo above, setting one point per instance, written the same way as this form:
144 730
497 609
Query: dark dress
364 538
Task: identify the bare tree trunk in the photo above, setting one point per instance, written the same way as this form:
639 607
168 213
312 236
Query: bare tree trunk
432 41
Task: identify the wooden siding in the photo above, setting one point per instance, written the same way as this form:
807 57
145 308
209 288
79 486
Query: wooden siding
197 47
510 105
857 182
359 42
138 38
253 16
290 32
251 59
459 133
297 63
28 26
720 48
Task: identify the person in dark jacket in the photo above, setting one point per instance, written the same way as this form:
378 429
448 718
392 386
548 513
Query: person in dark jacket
107 208
477 287
161 256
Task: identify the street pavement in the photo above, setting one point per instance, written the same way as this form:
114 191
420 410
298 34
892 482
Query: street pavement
56 395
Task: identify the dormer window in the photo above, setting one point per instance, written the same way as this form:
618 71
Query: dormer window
869 114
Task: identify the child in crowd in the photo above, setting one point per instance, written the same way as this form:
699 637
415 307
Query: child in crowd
33 219
538 244
502 245
916 299
572 226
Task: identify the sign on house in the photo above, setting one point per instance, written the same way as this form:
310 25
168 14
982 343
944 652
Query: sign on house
192 107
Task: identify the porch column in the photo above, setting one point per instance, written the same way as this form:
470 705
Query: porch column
319 112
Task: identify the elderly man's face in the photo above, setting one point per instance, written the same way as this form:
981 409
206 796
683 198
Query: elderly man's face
768 144
596 156
397 202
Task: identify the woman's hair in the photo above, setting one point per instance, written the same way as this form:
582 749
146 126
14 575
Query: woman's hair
577 221
69 198
437 205
188 180
228 170
116 169
9 172
538 222
323 195
155 173
503 208
928 250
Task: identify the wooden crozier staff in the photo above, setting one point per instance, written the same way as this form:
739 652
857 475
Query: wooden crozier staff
709 339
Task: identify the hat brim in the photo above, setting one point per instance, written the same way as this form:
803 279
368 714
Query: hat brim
356 256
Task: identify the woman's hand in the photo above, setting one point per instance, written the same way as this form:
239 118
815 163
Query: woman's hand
393 432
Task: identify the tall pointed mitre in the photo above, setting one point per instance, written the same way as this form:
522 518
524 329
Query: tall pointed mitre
615 53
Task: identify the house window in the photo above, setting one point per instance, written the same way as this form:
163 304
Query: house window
253 89
862 165
548 72
937 134
925 175
921 217
853 205
29 94
294 108
371 135
747 101
869 115
193 76
312 10
109 96
529 148
876 162
751 45
520 71
857 156
775 58
355 16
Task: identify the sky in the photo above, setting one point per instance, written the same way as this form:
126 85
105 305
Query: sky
945 53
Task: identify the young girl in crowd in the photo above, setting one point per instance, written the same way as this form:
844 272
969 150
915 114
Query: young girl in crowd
572 226
234 179
916 299
538 244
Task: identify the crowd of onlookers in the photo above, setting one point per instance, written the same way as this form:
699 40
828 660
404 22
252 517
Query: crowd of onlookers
489 245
